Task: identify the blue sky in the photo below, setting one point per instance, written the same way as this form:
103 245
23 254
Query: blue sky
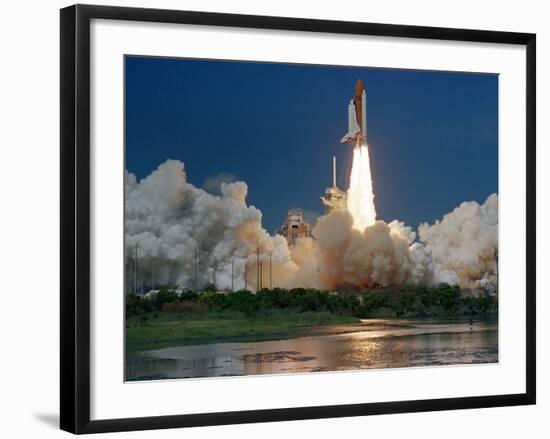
433 136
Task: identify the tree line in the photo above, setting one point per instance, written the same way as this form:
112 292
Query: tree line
411 301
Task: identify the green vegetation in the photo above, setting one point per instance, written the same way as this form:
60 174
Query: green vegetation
169 317
161 329
441 301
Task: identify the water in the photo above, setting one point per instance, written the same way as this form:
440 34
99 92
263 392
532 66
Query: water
374 344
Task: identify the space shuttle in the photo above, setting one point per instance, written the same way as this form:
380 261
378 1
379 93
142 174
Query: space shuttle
357 117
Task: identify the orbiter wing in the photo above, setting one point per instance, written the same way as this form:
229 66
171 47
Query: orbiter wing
353 126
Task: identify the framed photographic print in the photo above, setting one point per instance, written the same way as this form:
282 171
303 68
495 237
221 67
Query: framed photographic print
268 218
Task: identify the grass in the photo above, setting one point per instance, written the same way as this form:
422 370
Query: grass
156 330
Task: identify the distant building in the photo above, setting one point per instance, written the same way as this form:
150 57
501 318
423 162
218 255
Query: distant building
295 227
334 199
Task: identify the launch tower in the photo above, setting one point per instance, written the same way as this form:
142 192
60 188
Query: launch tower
334 198
295 227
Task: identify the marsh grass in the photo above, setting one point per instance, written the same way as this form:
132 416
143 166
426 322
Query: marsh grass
170 329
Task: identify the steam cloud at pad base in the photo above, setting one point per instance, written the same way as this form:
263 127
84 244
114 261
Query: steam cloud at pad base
180 235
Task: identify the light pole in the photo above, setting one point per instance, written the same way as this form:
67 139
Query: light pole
257 268
135 267
196 268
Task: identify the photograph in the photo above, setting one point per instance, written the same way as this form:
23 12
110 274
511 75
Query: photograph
266 219
293 218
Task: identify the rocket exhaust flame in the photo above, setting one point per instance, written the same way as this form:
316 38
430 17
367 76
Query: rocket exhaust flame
360 193
360 199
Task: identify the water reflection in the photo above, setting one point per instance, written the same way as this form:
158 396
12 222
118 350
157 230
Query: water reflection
374 344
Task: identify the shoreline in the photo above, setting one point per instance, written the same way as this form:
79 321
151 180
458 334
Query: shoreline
309 330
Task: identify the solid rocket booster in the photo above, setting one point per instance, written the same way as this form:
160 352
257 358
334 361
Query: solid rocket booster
357 117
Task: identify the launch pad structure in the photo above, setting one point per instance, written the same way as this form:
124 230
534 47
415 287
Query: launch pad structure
295 227
335 198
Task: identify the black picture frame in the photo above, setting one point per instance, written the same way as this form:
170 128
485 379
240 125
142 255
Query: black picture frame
75 217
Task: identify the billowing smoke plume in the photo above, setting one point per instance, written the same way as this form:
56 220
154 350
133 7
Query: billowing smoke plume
185 236
380 255
462 249
464 245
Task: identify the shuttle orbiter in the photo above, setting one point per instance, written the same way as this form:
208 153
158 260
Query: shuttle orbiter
357 117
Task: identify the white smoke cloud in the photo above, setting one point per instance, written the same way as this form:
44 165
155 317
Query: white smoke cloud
380 255
464 245
172 222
